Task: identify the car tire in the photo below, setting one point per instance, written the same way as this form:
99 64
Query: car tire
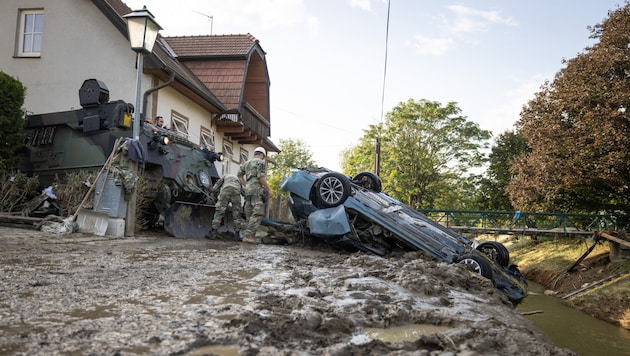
331 190
496 251
368 180
478 263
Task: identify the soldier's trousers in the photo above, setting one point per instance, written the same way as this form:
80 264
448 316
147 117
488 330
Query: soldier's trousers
254 211
228 196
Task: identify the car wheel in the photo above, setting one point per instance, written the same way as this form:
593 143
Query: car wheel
496 251
331 190
368 180
478 263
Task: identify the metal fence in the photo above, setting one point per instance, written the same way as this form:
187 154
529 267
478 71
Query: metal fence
522 222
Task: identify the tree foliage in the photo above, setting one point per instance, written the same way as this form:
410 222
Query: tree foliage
11 120
426 151
293 154
578 130
492 188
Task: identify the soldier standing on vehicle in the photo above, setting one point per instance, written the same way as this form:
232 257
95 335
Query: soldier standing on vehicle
253 175
159 122
229 189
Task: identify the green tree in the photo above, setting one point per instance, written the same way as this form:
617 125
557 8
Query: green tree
11 120
578 130
426 151
492 195
293 154
362 157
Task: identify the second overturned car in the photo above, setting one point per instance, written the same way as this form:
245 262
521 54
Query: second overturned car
352 212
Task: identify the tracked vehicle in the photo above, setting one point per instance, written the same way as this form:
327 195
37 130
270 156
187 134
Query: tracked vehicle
178 172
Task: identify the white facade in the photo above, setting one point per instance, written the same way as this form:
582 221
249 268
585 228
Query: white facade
78 43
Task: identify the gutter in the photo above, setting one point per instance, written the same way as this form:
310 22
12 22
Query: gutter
145 97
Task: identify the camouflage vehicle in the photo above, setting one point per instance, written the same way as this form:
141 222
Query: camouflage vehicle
179 173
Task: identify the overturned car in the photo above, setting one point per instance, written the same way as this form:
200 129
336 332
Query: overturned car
353 213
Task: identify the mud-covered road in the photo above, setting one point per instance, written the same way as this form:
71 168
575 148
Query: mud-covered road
80 294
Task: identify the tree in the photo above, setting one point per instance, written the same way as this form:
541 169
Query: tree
361 157
293 154
578 129
11 120
492 195
426 152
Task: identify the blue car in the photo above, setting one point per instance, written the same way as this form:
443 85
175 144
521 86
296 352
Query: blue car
353 213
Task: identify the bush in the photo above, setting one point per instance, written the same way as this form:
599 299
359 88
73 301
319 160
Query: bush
12 94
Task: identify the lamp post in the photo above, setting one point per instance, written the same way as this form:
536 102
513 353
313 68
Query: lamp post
143 31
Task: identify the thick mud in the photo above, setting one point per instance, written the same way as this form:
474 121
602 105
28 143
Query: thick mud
80 294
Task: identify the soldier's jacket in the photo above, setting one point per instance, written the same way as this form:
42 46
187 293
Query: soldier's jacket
228 181
253 170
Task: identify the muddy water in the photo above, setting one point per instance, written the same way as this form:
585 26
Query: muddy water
573 329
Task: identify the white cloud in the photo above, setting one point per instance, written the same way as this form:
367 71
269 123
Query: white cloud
312 25
466 21
362 4
431 46
469 20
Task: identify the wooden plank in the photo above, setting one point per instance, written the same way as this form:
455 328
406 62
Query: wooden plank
615 239
12 220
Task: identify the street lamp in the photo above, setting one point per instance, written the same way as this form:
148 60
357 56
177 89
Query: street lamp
143 31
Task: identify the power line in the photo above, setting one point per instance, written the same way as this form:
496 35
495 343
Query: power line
385 65
377 153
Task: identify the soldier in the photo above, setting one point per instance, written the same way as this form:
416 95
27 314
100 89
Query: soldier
252 175
159 122
229 189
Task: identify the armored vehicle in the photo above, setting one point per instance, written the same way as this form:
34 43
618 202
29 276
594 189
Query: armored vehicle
178 172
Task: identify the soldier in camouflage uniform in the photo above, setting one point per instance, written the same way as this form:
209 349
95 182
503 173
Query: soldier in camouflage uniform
229 189
253 176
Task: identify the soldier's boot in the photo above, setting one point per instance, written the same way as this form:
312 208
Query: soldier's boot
212 234
249 240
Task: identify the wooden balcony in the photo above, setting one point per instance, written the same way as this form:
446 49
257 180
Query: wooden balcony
247 127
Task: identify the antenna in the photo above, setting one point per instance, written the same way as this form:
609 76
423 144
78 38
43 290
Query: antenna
210 18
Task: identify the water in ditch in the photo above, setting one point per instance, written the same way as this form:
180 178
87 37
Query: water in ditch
573 329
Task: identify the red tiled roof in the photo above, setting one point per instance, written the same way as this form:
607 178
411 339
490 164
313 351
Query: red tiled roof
212 46
221 62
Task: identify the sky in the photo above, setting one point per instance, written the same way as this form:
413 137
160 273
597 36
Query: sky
338 66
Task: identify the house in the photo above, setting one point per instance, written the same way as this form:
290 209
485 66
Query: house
212 89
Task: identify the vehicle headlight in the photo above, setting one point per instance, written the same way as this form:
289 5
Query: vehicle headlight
204 178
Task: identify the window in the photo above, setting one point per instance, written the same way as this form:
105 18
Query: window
244 156
30 33
207 138
179 124
228 153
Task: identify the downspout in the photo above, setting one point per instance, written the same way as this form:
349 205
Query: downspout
145 97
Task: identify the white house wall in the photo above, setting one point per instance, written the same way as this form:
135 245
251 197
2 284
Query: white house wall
170 99
78 43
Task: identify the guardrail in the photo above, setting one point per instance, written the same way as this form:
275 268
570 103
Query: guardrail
521 222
